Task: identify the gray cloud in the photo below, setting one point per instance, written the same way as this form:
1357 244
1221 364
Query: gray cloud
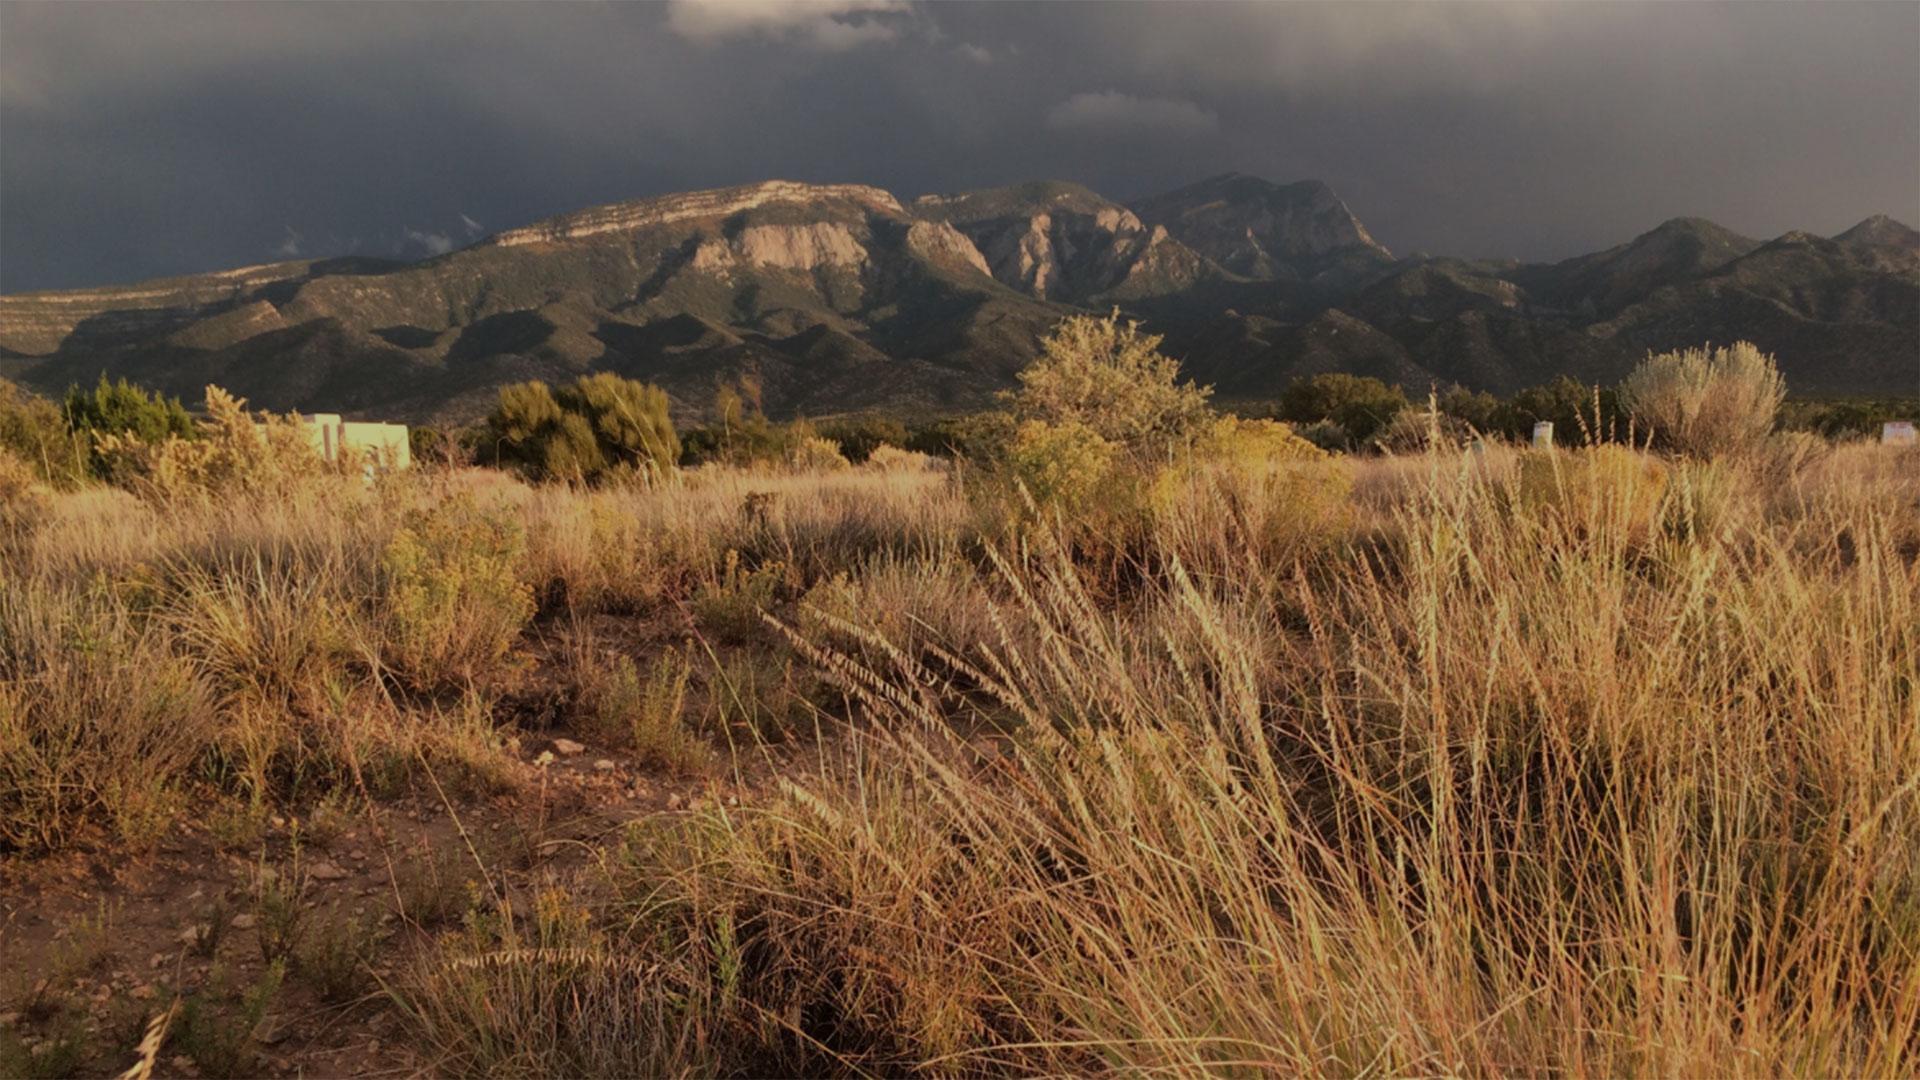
1110 112
833 25
159 138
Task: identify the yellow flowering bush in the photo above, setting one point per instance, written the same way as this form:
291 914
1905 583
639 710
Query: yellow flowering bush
453 596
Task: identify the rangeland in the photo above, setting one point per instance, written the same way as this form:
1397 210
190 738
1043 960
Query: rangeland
1189 747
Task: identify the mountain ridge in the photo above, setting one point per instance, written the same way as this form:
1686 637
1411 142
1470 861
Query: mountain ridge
842 297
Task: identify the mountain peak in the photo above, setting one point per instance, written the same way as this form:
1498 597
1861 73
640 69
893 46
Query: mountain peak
1676 250
1698 229
1259 229
1881 230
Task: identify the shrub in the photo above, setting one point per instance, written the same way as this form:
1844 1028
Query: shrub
1478 411
976 437
1062 465
859 437
437 446
1327 435
1360 405
1250 489
628 418
237 452
121 408
22 495
812 453
33 430
1415 431
597 423
1243 442
1108 378
887 458
1847 417
1703 403
453 596
1579 413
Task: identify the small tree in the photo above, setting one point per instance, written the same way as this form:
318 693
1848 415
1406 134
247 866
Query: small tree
1705 403
1112 379
1360 405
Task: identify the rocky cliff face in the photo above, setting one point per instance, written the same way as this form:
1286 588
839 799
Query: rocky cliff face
840 297
1062 242
699 205
1263 230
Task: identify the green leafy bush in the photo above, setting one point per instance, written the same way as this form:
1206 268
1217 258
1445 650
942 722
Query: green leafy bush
1579 413
1327 435
1361 406
121 408
584 430
1847 417
976 436
1480 411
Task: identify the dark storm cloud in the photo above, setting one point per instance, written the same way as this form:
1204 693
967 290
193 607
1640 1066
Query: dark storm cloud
153 139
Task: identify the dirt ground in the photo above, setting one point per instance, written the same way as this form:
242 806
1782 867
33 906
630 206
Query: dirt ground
97 943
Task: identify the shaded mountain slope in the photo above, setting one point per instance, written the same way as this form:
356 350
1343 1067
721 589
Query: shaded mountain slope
841 297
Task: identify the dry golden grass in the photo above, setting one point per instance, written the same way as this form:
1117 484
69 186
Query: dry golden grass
1582 763
1560 774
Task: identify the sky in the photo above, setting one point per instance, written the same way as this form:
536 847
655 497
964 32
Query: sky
145 140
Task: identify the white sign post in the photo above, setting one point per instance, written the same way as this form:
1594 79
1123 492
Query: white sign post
1543 435
1897 433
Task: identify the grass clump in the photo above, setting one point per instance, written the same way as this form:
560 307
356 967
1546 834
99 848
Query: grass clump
99 720
648 713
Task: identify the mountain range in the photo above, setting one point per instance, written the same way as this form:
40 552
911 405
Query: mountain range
843 298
